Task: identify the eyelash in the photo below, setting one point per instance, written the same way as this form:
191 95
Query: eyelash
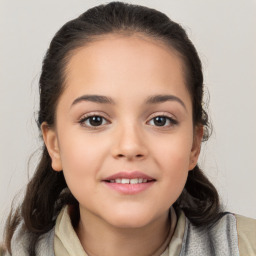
90 116
170 120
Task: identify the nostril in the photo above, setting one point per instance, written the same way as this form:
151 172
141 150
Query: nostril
130 156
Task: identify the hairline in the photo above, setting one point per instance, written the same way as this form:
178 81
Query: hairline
83 42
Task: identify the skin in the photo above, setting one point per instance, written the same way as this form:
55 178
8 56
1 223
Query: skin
129 69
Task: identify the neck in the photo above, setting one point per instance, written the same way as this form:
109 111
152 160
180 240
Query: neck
102 239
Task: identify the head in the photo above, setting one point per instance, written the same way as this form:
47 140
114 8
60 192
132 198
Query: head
109 33
73 68
121 19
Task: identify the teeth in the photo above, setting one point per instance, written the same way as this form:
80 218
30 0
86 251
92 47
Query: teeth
129 181
125 181
134 181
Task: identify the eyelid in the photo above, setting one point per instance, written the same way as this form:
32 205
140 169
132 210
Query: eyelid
85 116
165 114
93 113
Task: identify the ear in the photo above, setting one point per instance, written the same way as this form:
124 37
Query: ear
196 147
51 142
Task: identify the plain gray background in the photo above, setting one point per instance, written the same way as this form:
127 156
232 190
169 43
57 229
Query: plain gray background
225 36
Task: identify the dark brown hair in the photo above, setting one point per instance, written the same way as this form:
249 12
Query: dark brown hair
47 191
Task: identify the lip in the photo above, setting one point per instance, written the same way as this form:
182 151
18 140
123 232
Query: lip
128 175
129 189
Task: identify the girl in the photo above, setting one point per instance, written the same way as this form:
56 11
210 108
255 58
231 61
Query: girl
122 122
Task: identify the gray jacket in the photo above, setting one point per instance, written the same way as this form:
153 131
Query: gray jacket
219 240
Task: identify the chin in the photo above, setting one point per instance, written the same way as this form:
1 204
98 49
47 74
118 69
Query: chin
129 223
131 219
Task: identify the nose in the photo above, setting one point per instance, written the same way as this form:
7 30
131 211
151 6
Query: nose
129 143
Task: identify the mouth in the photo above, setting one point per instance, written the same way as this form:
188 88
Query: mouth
129 183
132 177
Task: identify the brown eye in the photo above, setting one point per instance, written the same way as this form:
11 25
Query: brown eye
93 121
162 121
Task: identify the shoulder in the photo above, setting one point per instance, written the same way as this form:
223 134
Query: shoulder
3 251
218 239
246 231
231 235
21 241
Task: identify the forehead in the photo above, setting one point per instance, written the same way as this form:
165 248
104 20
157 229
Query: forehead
120 62
124 50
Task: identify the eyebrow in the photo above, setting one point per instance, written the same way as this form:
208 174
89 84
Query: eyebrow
94 98
155 99
163 98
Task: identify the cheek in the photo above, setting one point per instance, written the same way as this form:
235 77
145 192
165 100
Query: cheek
173 158
174 152
81 161
79 153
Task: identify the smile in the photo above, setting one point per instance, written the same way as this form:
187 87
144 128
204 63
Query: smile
129 183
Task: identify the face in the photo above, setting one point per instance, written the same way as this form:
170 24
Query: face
124 135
